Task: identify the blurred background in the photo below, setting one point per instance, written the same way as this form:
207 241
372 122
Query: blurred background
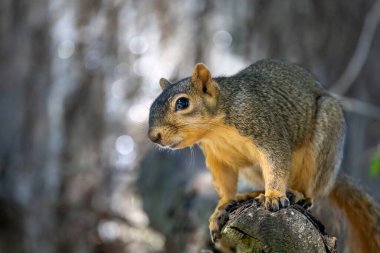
77 172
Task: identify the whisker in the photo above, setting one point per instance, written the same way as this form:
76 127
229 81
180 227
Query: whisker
192 160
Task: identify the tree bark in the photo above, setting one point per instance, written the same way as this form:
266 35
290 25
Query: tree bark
254 229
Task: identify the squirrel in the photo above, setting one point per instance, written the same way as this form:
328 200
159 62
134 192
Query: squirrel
273 123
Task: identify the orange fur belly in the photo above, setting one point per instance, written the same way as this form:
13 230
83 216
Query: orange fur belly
302 170
225 145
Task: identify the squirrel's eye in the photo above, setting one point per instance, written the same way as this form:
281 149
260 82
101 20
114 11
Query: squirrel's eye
182 103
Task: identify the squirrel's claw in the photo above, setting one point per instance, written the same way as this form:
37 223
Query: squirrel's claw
284 201
217 221
299 199
273 203
215 235
306 203
219 218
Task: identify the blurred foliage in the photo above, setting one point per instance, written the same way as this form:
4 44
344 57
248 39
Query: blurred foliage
374 169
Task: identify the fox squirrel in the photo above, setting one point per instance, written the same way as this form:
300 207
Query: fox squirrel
273 123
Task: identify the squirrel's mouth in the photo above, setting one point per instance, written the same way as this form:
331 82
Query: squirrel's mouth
174 145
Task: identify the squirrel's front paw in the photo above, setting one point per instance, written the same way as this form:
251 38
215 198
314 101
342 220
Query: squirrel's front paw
273 201
299 199
219 218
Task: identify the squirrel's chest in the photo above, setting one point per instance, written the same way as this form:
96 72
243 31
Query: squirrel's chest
225 145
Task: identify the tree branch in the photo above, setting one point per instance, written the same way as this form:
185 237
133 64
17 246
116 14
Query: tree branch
254 229
360 55
358 106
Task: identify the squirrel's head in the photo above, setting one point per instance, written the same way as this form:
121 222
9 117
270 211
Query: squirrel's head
181 114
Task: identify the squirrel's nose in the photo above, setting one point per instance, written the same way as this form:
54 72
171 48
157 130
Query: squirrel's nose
155 136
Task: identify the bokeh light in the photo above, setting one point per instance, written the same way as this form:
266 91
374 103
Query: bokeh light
138 45
109 230
222 39
118 89
124 144
138 113
66 49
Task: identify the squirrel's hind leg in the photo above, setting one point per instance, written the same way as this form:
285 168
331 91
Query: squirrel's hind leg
327 144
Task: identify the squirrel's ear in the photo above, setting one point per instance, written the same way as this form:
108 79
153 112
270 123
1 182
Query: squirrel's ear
202 80
164 83
201 74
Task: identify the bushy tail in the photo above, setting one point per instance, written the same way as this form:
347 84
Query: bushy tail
363 214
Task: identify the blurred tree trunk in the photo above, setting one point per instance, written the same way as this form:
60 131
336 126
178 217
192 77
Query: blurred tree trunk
83 178
26 198
37 215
